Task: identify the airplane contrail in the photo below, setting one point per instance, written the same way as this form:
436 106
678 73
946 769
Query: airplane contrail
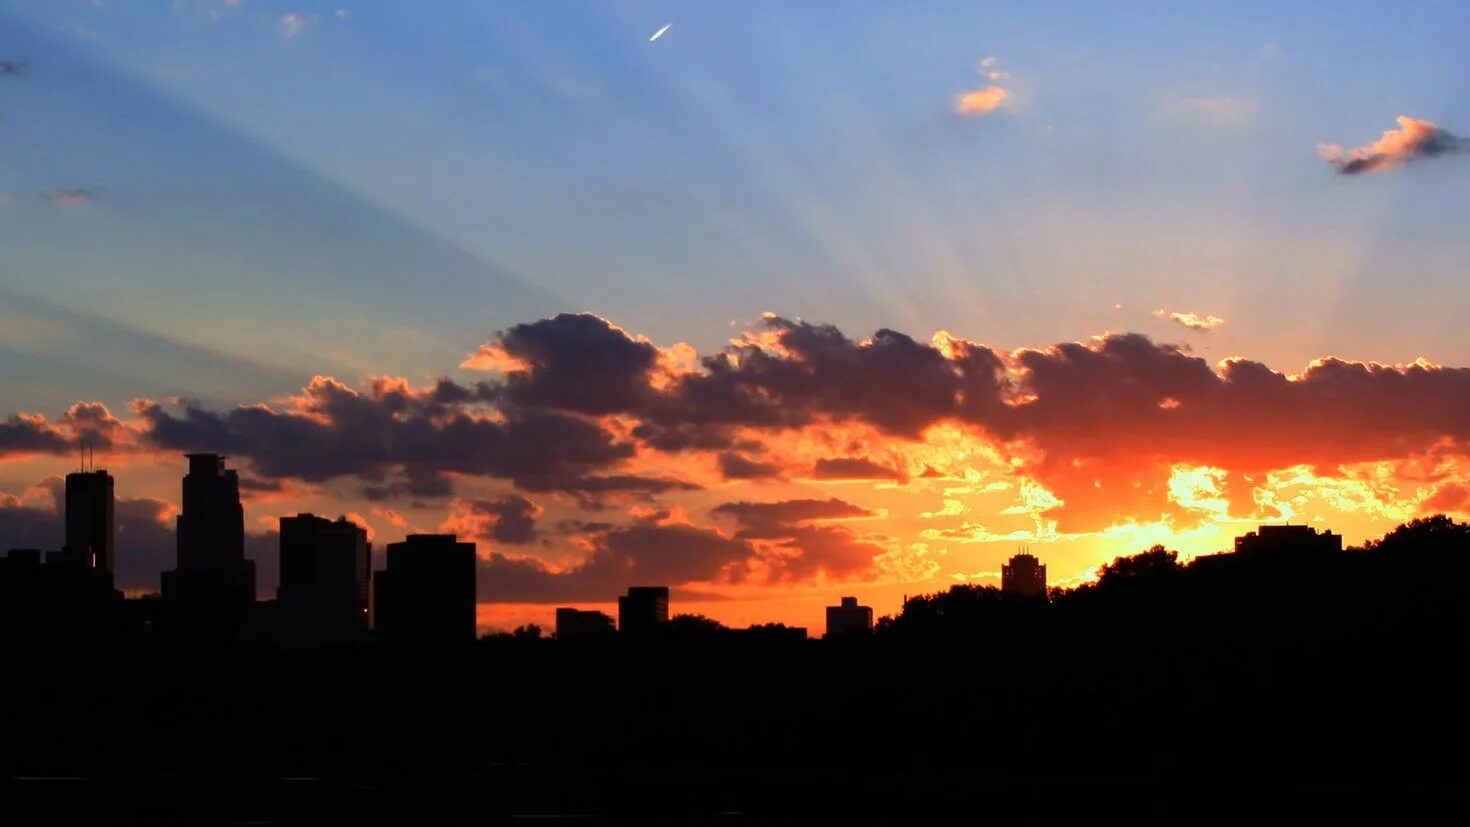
659 33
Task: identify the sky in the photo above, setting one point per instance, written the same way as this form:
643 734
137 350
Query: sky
795 301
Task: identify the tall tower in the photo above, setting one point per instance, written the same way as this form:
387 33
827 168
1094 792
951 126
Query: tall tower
212 584
89 525
1024 574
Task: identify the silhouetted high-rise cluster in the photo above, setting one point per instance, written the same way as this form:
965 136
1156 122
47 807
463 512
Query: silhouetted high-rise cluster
329 595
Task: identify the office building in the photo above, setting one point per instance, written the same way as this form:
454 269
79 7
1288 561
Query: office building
89 522
325 569
212 585
1024 575
849 618
1287 538
426 594
643 609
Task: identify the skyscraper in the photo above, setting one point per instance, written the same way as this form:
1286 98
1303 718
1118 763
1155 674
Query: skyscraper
89 523
323 594
643 609
212 585
427 592
848 618
1025 575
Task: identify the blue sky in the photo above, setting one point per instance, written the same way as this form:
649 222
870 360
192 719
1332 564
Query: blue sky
378 191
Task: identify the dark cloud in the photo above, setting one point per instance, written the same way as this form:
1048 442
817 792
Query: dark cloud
1413 140
22 434
853 468
573 362
1098 424
84 423
815 372
764 520
740 467
641 554
11 68
800 549
513 518
334 431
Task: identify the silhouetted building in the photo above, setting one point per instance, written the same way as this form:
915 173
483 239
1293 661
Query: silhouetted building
1024 574
427 592
576 624
849 618
1279 538
89 524
325 569
643 609
50 599
212 585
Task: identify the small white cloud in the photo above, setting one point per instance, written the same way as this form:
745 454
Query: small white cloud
292 24
1191 320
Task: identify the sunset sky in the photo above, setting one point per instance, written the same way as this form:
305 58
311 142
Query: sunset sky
800 300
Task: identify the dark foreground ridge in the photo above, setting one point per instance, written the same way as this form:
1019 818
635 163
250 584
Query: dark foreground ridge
1298 680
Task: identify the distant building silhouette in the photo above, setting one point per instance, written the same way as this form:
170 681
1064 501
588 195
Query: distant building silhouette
643 609
89 524
55 599
325 571
849 617
427 592
576 624
212 586
1278 538
1024 574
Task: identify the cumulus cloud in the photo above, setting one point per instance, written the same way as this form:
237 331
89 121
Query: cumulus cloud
1088 433
331 430
1191 320
577 362
978 103
1413 140
88 424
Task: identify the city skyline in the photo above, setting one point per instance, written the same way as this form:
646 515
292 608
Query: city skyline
774 309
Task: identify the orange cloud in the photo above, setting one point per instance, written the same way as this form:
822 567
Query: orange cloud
978 103
1414 139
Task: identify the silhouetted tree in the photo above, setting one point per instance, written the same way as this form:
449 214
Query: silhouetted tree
1424 535
1147 566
